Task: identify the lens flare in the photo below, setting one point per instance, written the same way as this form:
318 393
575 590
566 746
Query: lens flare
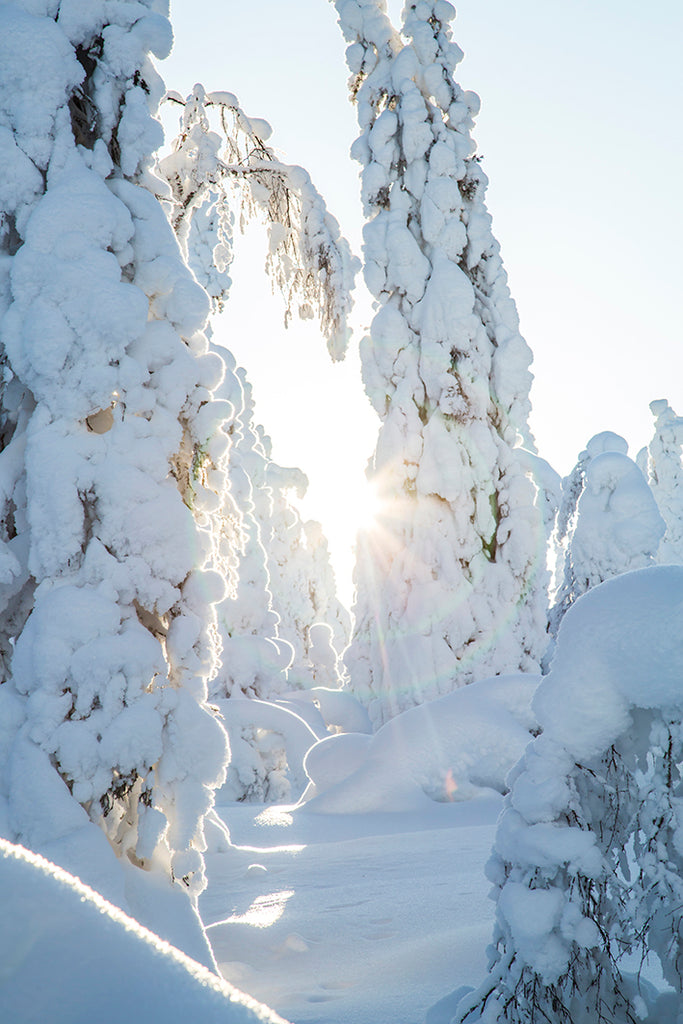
369 507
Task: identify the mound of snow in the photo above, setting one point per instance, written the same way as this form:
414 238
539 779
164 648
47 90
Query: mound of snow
449 749
339 708
69 957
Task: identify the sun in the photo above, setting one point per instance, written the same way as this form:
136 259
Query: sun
368 507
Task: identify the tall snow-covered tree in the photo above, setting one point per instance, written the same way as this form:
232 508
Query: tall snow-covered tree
451 584
662 466
587 858
112 460
608 522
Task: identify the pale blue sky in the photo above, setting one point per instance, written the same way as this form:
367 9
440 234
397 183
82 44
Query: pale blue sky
581 138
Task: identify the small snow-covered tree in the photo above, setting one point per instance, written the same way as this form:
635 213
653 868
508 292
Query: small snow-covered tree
661 464
608 522
587 859
269 627
451 585
302 581
112 457
253 660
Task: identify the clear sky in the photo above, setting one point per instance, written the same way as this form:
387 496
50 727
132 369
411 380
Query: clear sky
580 131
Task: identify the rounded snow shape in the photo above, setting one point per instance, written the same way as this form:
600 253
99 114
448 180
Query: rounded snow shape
620 646
606 441
659 406
335 758
454 748
261 128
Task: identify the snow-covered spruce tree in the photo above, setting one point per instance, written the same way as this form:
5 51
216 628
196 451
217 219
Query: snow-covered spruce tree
587 861
302 580
661 465
452 587
253 659
269 624
607 524
111 458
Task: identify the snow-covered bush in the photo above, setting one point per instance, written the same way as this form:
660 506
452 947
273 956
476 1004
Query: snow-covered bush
587 861
661 464
451 586
608 522
112 464
268 741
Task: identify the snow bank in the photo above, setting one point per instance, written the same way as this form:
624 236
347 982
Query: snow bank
454 748
69 957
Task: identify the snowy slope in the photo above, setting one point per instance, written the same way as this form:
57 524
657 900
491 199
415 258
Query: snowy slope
69 957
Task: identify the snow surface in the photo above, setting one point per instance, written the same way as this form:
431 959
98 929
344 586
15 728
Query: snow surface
70 957
351 919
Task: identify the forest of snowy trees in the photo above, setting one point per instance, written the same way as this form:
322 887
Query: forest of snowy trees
169 624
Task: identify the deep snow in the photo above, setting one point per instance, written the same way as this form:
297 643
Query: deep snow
69 957
351 919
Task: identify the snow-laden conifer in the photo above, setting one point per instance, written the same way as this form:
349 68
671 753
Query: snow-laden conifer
113 457
273 638
608 522
587 858
451 585
302 579
662 466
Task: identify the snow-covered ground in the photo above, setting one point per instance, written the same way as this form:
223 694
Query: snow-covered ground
67 956
348 919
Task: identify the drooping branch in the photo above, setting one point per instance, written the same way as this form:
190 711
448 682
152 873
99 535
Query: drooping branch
220 165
